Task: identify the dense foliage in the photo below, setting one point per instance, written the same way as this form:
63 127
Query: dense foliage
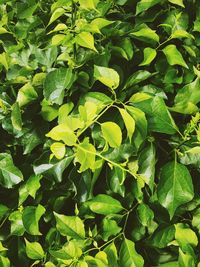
100 133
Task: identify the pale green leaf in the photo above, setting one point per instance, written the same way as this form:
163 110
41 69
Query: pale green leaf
107 76
173 56
145 33
63 133
143 5
129 122
149 55
58 150
177 2
34 250
56 14
85 155
112 133
85 39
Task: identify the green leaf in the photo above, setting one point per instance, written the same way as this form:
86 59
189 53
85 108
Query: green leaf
140 125
137 77
112 254
105 205
149 55
71 226
56 82
17 227
34 250
128 256
162 236
30 217
129 122
58 150
145 214
187 97
16 117
85 155
26 94
143 5
29 188
10 175
147 162
86 39
177 2
63 133
109 228
56 14
181 34
69 251
185 236
107 76
4 262
112 133
175 187
90 4
173 56
145 33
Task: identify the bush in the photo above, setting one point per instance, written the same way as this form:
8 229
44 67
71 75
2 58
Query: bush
100 134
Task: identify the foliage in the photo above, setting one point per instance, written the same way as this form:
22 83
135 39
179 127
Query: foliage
100 133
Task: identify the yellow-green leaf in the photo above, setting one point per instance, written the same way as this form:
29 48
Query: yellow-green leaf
112 133
58 149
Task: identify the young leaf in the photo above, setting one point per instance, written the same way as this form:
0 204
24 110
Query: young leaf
71 226
173 56
63 133
128 121
128 256
149 55
58 149
145 33
143 5
112 133
85 155
177 2
34 250
105 205
107 76
86 39
175 187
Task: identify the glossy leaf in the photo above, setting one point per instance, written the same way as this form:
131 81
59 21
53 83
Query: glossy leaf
10 175
103 204
175 186
128 255
71 226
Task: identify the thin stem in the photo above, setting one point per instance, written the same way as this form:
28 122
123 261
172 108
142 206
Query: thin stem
96 119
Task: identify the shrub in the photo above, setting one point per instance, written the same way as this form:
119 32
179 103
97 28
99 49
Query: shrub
100 133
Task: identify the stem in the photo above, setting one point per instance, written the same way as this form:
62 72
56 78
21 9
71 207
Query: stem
135 175
170 37
86 127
